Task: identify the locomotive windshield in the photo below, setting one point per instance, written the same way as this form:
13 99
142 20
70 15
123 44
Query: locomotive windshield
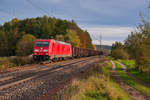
42 44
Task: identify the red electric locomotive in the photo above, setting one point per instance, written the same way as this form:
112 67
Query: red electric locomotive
50 49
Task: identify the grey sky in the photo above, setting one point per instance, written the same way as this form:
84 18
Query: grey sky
114 19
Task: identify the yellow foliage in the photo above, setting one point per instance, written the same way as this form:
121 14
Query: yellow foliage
73 37
83 40
15 20
94 46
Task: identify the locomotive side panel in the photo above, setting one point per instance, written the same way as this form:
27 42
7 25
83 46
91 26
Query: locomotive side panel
62 50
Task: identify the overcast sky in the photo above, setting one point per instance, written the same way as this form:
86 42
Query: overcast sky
113 19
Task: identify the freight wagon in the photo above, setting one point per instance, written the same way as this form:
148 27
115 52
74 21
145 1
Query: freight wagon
50 49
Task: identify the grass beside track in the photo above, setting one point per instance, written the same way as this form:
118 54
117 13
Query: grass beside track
131 68
5 63
9 62
131 81
97 85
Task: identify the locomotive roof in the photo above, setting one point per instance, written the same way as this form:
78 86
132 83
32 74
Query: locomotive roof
61 42
42 39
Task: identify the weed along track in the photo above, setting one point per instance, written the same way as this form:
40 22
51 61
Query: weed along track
29 84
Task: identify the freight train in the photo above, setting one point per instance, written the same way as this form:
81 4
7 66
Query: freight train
50 49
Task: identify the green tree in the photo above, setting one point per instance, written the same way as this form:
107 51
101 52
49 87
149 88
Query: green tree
138 46
60 27
25 45
117 45
118 51
3 44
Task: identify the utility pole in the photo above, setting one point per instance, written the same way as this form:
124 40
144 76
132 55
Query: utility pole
100 41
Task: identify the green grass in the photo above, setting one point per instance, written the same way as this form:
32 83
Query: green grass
131 81
95 95
106 69
131 68
129 63
99 86
110 57
142 76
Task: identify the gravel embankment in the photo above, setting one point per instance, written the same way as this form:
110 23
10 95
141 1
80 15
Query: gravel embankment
43 82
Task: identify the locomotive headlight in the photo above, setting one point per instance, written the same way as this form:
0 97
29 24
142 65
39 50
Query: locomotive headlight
36 50
45 50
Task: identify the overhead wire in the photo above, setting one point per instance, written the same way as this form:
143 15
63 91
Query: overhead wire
6 12
36 6
3 11
94 36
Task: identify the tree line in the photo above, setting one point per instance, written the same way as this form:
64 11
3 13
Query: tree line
136 46
17 36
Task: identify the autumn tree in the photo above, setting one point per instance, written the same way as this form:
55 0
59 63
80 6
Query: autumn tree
94 46
73 38
89 40
25 45
60 37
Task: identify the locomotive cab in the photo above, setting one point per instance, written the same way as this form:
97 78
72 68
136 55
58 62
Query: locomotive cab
41 50
50 49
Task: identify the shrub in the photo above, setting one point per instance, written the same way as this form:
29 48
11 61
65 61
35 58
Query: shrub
25 45
119 54
9 62
21 60
5 63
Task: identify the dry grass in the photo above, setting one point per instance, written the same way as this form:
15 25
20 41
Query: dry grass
9 62
98 86
5 63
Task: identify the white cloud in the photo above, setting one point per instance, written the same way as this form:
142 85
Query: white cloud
110 31
104 42
110 34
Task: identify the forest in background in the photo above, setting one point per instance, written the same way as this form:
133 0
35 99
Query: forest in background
17 36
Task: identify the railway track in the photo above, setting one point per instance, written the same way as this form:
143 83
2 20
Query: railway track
37 67
7 82
11 82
